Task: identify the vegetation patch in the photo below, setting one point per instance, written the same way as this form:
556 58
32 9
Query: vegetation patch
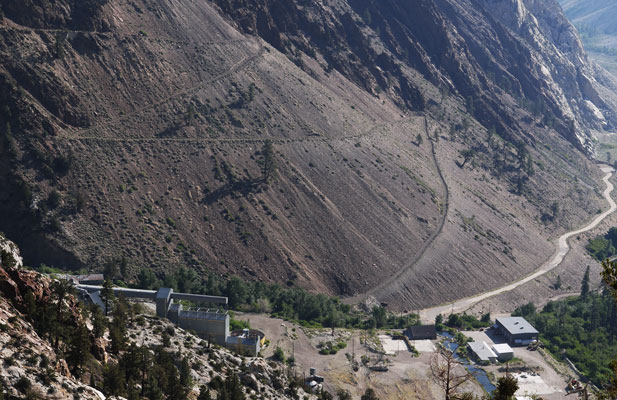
603 246
582 329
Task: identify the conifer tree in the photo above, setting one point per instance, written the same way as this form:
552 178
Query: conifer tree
585 284
60 290
99 323
107 295
506 387
267 161
79 346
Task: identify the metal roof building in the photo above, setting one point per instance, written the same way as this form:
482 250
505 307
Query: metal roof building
517 331
482 351
503 351
421 332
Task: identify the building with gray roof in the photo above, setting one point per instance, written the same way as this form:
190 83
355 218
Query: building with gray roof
210 324
516 330
482 351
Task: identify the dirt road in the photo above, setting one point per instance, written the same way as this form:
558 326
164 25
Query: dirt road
428 315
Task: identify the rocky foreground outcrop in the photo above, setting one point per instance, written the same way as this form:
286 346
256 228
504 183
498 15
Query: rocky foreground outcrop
30 365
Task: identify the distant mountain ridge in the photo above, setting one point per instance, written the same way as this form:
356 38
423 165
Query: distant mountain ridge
592 15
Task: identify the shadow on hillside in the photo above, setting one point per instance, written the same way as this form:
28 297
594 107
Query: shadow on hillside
234 189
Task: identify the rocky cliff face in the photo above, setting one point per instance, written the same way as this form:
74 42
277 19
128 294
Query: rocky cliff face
42 14
488 51
138 133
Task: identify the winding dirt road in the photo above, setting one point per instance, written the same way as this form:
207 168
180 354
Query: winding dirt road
428 315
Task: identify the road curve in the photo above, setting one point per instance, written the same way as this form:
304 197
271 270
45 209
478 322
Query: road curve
429 314
386 284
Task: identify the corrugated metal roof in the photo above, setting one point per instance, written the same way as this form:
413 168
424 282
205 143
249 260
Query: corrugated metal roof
516 325
196 314
482 350
416 332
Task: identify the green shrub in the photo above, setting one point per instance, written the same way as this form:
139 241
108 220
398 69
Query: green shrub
279 354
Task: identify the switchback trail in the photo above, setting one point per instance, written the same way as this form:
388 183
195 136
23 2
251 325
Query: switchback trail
386 284
203 84
429 314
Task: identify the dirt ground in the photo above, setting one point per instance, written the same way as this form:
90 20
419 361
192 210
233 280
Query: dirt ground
541 290
538 377
408 377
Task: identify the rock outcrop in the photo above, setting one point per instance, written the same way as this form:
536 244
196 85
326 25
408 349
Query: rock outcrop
33 367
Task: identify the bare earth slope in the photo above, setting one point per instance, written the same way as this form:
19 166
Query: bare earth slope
137 132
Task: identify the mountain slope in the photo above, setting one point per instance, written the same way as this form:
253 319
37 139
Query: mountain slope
137 133
595 20
595 15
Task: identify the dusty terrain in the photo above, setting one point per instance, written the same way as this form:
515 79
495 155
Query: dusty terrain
138 134
562 250
538 373
408 377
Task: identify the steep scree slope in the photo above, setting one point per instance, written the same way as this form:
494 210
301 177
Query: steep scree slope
139 135
488 51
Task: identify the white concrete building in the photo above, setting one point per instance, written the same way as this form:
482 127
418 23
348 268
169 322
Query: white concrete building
503 351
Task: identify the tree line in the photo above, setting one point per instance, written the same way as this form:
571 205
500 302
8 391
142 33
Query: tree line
290 303
582 329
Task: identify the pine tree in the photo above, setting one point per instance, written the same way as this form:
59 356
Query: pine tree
506 387
585 284
107 295
185 373
118 330
99 322
118 338
557 285
267 161
114 382
60 289
204 393
79 346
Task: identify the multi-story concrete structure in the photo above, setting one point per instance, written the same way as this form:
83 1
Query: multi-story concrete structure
209 324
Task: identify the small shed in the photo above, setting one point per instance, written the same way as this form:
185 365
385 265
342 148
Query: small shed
91 279
482 351
503 351
421 332
243 345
